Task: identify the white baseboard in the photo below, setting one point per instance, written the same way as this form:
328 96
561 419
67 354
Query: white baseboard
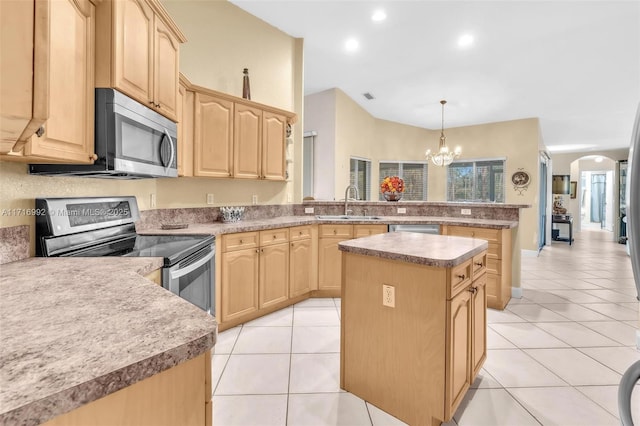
516 292
638 339
529 253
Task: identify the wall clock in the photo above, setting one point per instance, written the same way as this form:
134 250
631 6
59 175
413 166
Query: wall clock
520 181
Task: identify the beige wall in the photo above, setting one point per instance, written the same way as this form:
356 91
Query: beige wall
320 116
222 40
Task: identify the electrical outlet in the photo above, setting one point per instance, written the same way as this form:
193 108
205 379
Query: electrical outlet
466 212
308 210
152 200
388 296
254 199
209 198
402 210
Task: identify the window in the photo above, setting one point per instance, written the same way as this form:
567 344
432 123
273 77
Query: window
414 175
360 176
480 181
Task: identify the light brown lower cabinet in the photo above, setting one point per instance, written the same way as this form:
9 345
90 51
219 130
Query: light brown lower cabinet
417 360
274 267
302 268
498 260
178 396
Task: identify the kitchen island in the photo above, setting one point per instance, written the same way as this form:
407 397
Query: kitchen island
413 322
91 338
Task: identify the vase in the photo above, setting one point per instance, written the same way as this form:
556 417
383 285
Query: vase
246 90
392 196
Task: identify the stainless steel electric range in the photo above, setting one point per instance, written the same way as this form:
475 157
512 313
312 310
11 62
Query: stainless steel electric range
105 226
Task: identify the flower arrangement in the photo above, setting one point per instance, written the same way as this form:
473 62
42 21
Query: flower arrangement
392 188
392 184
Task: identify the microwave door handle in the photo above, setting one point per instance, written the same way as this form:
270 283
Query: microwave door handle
173 150
181 272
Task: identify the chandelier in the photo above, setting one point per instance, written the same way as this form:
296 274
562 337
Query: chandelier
443 157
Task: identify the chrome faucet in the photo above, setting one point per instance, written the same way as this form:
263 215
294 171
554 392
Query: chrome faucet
346 198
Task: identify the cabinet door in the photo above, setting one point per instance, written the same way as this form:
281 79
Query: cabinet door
458 365
64 81
273 146
479 325
274 274
16 68
166 70
247 136
329 264
300 267
213 136
185 131
133 49
239 283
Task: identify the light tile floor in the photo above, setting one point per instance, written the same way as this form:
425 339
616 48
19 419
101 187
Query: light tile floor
555 356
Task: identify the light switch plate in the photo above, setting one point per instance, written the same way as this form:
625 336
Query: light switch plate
209 198
465 211
254 199
152 200
308 210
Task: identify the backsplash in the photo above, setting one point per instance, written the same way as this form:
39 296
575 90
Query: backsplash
414 208
150 219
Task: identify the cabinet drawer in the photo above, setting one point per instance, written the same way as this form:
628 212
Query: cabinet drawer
299 233
242 240
479 264
336 231
367 230
483 233
274 236
459 279
494 266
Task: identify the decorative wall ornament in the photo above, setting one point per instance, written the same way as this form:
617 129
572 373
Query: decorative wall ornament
520 181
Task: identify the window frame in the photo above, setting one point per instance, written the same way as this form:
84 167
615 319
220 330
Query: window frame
366 194
475 162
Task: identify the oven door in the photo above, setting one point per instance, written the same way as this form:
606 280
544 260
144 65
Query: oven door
193 279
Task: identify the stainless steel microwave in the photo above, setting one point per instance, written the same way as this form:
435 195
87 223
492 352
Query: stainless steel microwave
132 141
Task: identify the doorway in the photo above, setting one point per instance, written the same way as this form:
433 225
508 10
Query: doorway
542 212
596 200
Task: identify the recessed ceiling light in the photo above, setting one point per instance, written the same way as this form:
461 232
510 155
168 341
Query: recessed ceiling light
351 45
379 15
465 40
598 159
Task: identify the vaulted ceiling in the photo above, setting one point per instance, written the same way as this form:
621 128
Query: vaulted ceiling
573 64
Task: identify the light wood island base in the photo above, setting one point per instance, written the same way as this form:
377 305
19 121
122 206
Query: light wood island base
415 360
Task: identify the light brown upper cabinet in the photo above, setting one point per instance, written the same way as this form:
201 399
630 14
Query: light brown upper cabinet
235 137
47 84
274 128
213 136
137 46
247 142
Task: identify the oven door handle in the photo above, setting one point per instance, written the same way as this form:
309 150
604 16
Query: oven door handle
181 272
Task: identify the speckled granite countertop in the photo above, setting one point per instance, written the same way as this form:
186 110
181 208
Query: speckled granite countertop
424 249
73 330
217 228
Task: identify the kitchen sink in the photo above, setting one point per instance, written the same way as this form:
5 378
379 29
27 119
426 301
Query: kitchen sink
345 217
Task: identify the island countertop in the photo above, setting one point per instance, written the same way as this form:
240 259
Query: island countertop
423 249
74 330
